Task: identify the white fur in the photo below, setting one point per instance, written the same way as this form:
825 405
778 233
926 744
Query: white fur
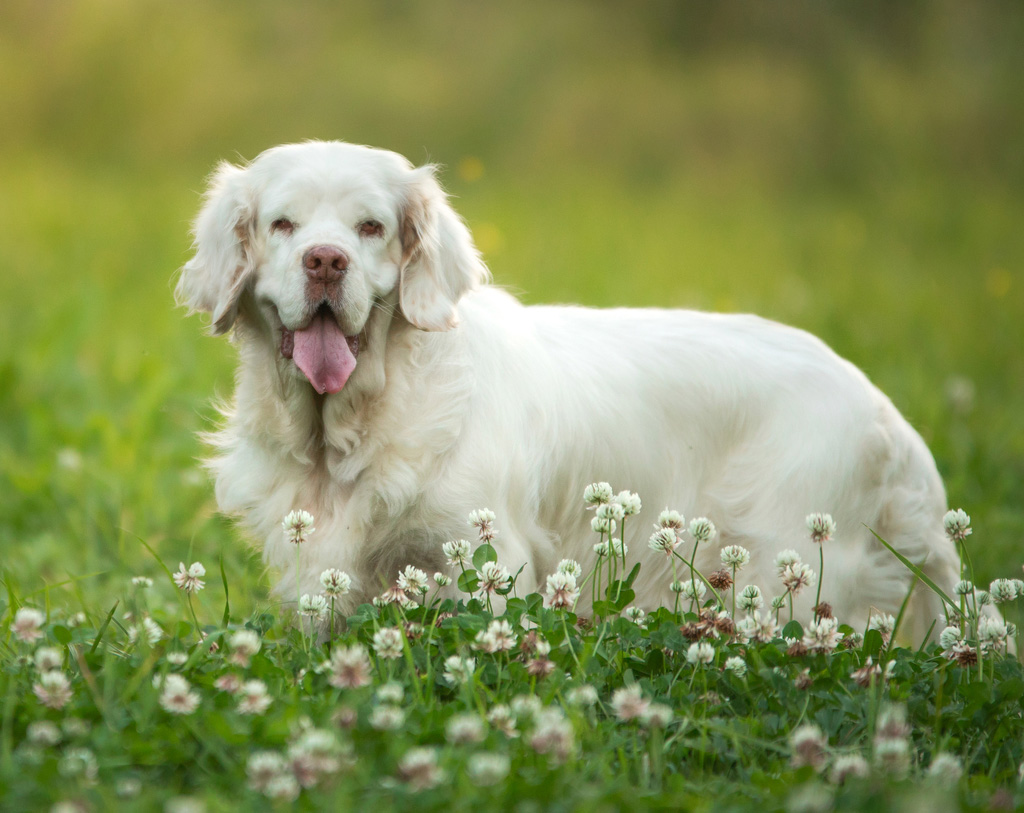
463 398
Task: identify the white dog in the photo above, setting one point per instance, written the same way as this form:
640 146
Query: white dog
387 389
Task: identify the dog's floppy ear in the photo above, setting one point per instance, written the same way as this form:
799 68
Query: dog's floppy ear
440 263
213 280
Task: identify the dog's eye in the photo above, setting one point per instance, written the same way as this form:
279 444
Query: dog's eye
283 225
371 228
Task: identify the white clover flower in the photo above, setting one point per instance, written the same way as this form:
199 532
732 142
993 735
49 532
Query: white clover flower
821 526
298 526
700 653
797 576
570 566
672 520
413 580
315 607
457 551
562 592
147 629
693 589
53 689
502 719
676 586
48 658
230 683
750 598
498 637
737 666
702 530
176 658
657 715
244 644
628 703
43 732
582 696
610 511
27 624
142 581
350 667
388 643
78 762
336 583
1002 590
177 696
463 729
602 549
483 520
486 769
808 743
892 755
387 718
597 494
629 501
778 602
494 577
283 788
884 623
254 698
822 635
735 556
552 734
950 636
849 766
757 627
442 580
391 692
190 579
992 633
458 669
957 524
418 767
663 540
945 768
635 614
619 548
983 597
263 767
526 706
786 558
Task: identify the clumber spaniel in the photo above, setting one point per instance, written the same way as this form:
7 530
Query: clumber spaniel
385 387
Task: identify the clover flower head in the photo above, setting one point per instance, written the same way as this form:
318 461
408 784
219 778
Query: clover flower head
387 718
487 769
582 696
177 696
418 767
785 558
350 667
442 579
635 614
602 549
462 729
190 579
142 581
264 767
849 766
502 719
147 629
993 633
1002 590
702 530
562 591
672 520
611 511
735 556
892 756
494 577
758 627
48 658
663 540
945 769
750 598
27 624
315 607
822 635
552 734
736 665
628 703
298 526
458 670
413 580
657 715
808 743
797 576
53 689
964 587
821 526
498 637
254 698
570 566
957 525
43 732
950 636
483 520
700 653
693 589
336 583
388 643
630 502
884 623
598 494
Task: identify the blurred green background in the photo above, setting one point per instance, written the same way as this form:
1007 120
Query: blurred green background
855 169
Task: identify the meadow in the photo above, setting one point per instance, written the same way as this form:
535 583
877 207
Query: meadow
854 171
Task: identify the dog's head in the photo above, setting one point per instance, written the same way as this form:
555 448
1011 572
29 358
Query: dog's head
307 239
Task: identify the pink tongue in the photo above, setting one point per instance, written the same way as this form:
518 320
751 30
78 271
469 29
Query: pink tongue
322 353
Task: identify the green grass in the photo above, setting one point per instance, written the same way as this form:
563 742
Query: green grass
853 170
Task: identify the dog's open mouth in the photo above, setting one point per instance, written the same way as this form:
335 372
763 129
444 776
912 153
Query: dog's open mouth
324 354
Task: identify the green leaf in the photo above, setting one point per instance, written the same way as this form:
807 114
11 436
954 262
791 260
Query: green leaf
873 643
485 553
468 581
103 628
227 603
793 630
62 634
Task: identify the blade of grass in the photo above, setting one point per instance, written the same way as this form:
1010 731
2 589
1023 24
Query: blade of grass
227 601
103 627
917 572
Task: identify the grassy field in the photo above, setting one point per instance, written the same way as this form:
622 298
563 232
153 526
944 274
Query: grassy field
853 170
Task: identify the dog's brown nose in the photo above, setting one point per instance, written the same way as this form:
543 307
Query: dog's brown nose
325 263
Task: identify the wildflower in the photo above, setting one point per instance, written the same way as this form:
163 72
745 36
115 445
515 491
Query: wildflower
957 524
635 614
948 637
418 767
387 718
494 577
27 623
552 734
797 576
393 595
48 658
849 766
463 729
750 598
265 766
282 788
657 715
693 589
785 558
885 624
597 494
43 732
457 551
244 644
983 597
413 580
350 667
737 666
945 768
821 526
148 629
314 607
702 653
177 696
964 587
298 526
619 548
570 566
78 762
892 723
53 689
254 698
778 602
1002 590
992 633
582 696
892 756
757 627
605 518
483 521
526 706
720 579
142 581
964 654
441 580
458 669
672 520
176 658
628 703
663 540
391 692
702 530
230 683
502 719
601 549
388 643
190 580
562 591
487 768
314 755
498 637
629 501
796 649
822 635
336 583
735 556
868 673
808 744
